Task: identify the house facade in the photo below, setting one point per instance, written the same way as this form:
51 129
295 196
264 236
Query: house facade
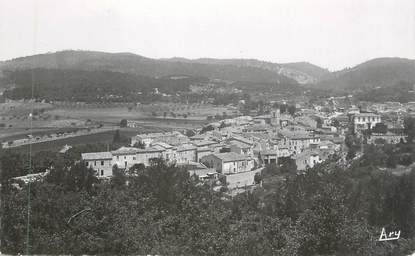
297 143
100 162
389 138
307 159
268 156
229 163
365 121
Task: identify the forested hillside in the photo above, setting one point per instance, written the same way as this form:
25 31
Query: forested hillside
382 72
80 85
138 65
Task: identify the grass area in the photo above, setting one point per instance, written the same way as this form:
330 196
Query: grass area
155 110
21 133
56 145
102 137
68 117
68 114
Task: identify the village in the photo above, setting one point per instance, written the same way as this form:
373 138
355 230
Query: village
232 152
194 127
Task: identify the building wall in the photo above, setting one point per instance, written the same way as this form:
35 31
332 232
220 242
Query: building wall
212 162
102 167
242 151
296 146
391 139
283 152
185 156
303 162
365 122
237 166
201 154
241 179
228 167
168 154
269 159
128 160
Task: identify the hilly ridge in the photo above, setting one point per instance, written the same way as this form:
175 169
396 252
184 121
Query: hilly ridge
139 65
375 73
91 86
302 72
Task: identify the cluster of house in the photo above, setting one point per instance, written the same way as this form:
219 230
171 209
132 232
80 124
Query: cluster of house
204 157
359 120
236 149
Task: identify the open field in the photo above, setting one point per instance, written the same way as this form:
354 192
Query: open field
102 137
21 133
18 112
49 119
116 112
22 108
56 145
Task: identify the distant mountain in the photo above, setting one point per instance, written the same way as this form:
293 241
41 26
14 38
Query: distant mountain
376 73
302 72
139 65
91 86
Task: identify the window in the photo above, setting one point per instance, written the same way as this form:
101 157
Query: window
118 157
102 172
86 163
102 162
95 163
134 158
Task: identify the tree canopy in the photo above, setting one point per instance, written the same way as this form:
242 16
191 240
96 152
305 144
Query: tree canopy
160 209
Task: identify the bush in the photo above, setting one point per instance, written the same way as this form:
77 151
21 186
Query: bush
123 123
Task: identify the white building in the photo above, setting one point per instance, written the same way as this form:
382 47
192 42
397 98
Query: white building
101 162
173 138
364 121
297 143
228 163
307 159
126 157
389 137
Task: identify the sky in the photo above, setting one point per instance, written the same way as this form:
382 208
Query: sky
333 34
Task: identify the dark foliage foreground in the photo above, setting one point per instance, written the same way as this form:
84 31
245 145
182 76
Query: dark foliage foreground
161 210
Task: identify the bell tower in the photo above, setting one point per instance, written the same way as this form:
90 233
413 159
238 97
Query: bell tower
275 117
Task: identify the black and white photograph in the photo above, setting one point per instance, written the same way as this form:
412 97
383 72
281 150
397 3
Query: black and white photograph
207 127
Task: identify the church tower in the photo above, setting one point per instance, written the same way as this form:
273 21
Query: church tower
275 117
